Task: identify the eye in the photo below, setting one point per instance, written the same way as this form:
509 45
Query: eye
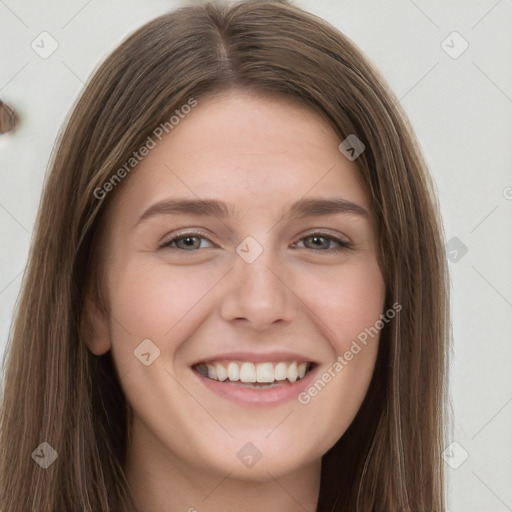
322 241
188 242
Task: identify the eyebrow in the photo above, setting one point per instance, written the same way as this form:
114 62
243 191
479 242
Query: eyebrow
306 207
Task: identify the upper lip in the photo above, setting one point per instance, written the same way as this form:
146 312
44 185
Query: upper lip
257 357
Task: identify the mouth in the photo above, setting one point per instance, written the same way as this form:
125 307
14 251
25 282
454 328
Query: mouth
255 375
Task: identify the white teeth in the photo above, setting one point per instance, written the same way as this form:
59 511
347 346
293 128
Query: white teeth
212 374
301 369
280 371
292 372
265 372
248 372
233 372
222 373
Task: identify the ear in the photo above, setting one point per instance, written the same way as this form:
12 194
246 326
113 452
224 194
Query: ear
94 327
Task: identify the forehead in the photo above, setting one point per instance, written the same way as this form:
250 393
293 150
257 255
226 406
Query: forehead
253 151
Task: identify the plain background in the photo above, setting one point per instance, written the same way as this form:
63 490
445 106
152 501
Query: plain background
461 109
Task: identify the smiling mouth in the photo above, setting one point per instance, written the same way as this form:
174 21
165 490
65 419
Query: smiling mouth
255 375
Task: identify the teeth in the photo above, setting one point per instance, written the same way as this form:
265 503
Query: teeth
222 373
212 374
280 371
246 372
233 372
292 372
265 372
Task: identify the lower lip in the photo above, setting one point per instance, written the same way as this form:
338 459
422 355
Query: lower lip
259 396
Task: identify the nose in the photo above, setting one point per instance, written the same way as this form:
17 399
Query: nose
258 293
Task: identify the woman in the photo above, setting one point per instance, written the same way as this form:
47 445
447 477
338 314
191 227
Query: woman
261 369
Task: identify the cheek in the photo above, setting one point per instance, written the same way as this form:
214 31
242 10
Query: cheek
151 299
348 308
347 301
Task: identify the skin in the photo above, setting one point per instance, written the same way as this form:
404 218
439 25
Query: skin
260 153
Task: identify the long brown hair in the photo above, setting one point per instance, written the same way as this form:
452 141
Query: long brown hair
56 391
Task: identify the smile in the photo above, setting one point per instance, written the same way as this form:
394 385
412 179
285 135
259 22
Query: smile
254 375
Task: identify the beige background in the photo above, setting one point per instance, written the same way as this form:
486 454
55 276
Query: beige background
461 109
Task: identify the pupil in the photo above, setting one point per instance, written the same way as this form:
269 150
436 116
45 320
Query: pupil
316 239
189 241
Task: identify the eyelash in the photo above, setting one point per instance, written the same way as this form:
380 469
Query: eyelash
342 245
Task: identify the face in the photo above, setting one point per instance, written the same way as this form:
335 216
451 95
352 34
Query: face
225 264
